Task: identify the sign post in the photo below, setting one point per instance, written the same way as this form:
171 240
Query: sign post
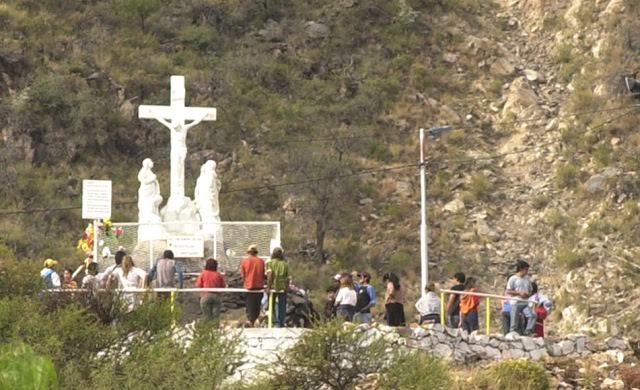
96 199
96 205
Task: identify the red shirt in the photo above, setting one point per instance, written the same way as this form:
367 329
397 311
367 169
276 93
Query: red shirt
252 270
541 313
209 279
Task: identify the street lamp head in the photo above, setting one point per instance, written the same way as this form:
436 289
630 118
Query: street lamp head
438 131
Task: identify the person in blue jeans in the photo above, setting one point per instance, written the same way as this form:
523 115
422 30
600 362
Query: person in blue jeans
518 287
278 284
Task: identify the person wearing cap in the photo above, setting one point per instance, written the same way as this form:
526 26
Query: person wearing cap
49 274
252 270
366 298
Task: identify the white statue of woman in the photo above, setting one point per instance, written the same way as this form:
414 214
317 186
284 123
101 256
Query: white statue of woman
149 197
206 193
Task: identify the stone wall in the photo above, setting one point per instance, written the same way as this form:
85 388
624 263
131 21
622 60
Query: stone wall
261 346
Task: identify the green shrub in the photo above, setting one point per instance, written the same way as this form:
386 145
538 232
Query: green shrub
161 362
600 227
567 70
567 175
21 368
479 188
399 210
555 219
20 278
153 315
514 374
603 154
416 371
568 258
563 54
439 186
138 9
540 201
333 355
401 260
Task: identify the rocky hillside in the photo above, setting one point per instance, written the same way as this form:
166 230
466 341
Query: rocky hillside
554 178
541 162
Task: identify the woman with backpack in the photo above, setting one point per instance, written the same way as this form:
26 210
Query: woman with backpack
393 300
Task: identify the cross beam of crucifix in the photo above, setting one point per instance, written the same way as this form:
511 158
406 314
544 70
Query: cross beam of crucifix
174 117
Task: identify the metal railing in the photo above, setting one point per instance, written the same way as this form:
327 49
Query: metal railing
487 304
174 290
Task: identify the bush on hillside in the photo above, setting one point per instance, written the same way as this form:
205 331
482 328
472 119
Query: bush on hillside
22 368
334 355
569 258
417 371
567 175
503 375
166 362
20 278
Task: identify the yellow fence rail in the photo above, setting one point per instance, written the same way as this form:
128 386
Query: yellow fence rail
476 294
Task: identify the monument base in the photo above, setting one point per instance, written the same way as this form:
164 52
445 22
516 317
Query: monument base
180 217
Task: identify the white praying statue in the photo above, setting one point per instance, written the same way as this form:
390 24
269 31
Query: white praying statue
179 209
149 200
206 199
206 192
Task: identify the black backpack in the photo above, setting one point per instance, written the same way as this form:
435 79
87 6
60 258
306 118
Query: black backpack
363 298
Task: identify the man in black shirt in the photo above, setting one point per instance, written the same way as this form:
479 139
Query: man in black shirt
453 304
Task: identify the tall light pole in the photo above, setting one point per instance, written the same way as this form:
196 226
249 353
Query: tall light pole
424 255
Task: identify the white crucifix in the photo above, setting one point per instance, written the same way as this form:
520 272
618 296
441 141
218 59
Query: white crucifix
174 117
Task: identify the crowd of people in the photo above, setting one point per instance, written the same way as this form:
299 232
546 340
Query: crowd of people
524 308
350 297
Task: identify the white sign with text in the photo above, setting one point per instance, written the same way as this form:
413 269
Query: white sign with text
96 199
186 246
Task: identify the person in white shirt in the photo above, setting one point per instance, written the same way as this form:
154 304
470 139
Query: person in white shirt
103 277
519 287
429 305
128 277
346 299
90 280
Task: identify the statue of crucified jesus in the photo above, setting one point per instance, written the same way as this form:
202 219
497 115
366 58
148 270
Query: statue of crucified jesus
174 117
179 208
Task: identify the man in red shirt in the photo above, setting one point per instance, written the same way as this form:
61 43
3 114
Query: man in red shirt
252 270
210 302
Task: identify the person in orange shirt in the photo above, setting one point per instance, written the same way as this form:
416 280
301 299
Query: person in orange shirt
252 270
469 307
